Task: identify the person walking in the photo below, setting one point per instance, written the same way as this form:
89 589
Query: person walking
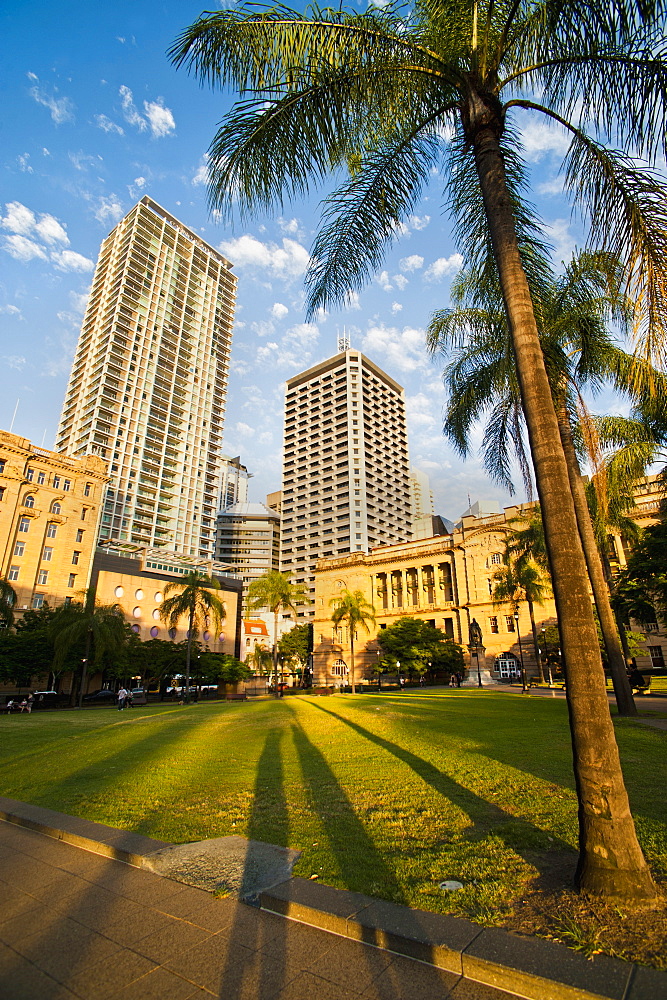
122 695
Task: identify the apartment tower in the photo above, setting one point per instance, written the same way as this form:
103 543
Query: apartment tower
149 381
346 473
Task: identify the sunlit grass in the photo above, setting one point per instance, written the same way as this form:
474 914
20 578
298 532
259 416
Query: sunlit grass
387 795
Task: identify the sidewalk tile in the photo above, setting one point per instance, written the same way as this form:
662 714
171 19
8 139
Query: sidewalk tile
406 979
647 984
158 985
350 966
15 901
20 980
206 963
213 916
174 939
63 949
104 978
130 930
310 987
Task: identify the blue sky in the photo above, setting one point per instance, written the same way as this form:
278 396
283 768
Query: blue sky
92 117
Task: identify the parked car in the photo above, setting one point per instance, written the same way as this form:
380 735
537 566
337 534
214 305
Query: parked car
99 697
49 699
138 696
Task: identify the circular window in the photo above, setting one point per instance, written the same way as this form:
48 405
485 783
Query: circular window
207 636
155 631
139 594
221 637
172 633
156 615
137 612
119 591
157 597
136 628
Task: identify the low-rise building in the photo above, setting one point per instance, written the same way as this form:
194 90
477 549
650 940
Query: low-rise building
49 512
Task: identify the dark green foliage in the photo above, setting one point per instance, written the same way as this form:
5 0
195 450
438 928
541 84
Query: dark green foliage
297 644
640 591
414 644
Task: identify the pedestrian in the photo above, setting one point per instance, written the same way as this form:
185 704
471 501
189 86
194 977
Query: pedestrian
28 704
452 681
402 683
122 695
459 678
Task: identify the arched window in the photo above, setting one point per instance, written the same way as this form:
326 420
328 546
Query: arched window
29 501
55 507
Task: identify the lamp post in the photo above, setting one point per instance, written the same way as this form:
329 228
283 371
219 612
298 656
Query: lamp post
524 687
475 641
546 656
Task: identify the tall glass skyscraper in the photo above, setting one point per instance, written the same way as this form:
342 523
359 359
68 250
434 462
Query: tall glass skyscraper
149 380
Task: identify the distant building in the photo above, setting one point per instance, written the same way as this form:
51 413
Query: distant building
149 380
248 541
346 485
49 511
233 483
421 495
135 577
275 500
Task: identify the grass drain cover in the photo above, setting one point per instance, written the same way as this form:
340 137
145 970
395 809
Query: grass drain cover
450 886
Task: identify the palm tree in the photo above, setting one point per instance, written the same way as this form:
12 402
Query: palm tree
574 312
261 659
521 580
100 627
391 95
7 602
275 592
352 608
197 601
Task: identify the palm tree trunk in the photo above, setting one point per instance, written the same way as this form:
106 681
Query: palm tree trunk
276 689
536 645
84 666
188 652
611 862
354 686
612 644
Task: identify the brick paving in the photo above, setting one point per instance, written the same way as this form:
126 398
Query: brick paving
77 925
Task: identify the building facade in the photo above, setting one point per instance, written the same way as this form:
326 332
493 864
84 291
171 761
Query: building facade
346 472
233 482
49 511
447 580
248 541
149 380
135 578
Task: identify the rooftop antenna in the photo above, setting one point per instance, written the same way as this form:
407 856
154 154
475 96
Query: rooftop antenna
343 341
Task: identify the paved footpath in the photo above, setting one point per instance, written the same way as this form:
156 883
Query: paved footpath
77 925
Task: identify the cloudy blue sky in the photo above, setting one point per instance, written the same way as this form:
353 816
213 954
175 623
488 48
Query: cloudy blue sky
92 117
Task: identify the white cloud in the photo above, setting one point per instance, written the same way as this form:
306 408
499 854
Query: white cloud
418 222
79 301
400 281
552 186
107 125
130 113
160 119
136 187
412 263
11 310
245 430
201 174
108 209
51 231
352 301
396 307
24 164
294 350
443 266
19 218
404 349
278 310
383 281
15 361
562 239
287 261
23 249
419 411
61 108
290 226
68 260
539 139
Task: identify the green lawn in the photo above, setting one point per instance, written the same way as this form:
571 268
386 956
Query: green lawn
389 795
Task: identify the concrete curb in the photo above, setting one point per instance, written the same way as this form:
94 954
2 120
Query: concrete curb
530 967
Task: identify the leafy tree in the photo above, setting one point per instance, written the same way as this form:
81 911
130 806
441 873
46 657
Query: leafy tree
261 659
414 644
352 609
197 601
641 588
392 95
297 645
7 602
520 580
224 669
35 648
275 592
99 628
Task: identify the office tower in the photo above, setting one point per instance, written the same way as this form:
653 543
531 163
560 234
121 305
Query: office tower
248 541
233 482
149 379
421 494
346 473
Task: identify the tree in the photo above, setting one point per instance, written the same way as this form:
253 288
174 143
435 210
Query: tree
418 646
297 646
197 601
521 580
352 609
7 602
261 659
275 592
640 590
99 629
574 312
391 95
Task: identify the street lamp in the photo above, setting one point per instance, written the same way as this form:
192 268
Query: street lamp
475 642
524 687
546 656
